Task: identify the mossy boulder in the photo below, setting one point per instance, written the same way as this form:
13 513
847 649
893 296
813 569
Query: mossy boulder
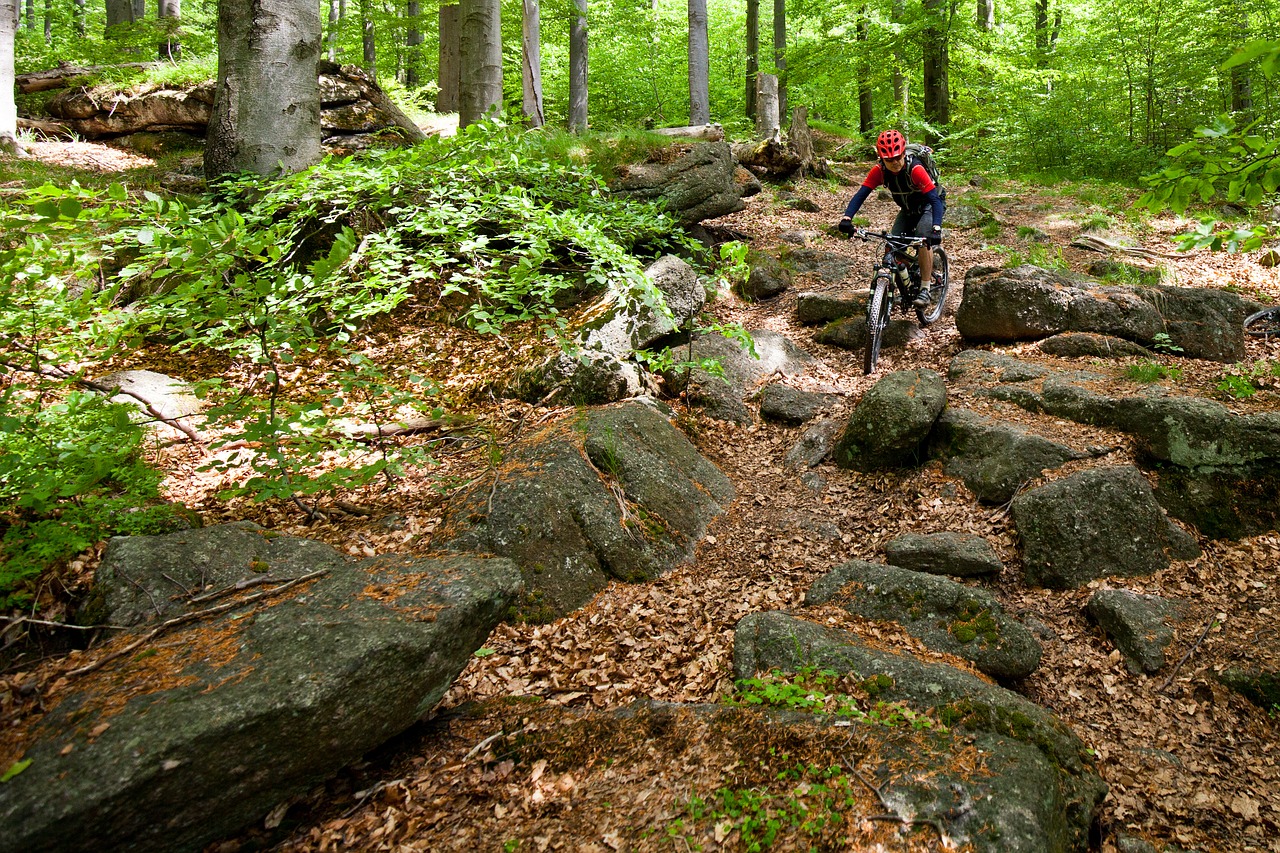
892 421
962 555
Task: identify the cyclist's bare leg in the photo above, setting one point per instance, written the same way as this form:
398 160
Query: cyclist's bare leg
920 226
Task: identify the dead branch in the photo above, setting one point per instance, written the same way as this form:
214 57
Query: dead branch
189 617
482 745
1094 243
1213 620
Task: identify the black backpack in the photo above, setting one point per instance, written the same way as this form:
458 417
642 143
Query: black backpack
923 154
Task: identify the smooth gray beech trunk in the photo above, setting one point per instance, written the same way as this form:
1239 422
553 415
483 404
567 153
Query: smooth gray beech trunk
753 54
901 84
937 89
119 12
699 64
480 60
531 74
578 68
368 44
450 41
266 113
413 45
986 15
332 36
768 121
8 108
780 51
866 100
169 12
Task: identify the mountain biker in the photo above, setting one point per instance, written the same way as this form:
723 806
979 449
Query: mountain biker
922 208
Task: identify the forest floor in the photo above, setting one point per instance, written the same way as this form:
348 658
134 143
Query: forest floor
1189 764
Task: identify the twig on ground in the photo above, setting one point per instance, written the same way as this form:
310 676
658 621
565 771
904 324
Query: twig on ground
489 740
238 586
363 796
1213 620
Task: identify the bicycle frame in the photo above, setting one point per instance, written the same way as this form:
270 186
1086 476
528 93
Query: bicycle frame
901 266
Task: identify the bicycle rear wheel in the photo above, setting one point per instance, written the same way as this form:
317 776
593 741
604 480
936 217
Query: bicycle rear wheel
1264 323
929 314
877 318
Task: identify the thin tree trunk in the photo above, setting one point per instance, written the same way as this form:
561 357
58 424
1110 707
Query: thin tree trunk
767 119
937 93
31 16
579 67
139 10
80 13
450 39
1241 82
48 21
753 54
332 35
901 84
8 107
480 60
780 51
413 44
1042 33
168 13
866 101
986 15
369 52
699 64
532 70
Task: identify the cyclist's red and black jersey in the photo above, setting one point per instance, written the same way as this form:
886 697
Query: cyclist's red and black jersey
911 187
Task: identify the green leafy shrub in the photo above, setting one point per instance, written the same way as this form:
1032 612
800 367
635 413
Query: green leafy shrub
1148 371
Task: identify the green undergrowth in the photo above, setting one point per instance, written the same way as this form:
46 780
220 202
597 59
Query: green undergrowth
818 691
1148 372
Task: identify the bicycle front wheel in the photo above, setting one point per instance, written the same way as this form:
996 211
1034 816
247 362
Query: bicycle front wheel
1264 323
929 314
877 318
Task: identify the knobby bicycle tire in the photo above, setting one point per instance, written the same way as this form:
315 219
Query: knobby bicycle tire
877 318
937 293
1264 323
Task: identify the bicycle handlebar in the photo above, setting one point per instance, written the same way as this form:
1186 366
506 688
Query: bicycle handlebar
899 241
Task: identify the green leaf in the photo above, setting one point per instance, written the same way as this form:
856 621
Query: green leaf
14 769
69 208
46 209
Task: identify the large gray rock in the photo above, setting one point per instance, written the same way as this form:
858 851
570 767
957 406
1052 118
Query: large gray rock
211 725
813 307
721 396
700 184
787 405
1137 624
961 555
994 459
1049 811
851 334
945 615
1030 303
828 266
1089 345
768 277
599 364
612 493
814 445
1099 522
891 422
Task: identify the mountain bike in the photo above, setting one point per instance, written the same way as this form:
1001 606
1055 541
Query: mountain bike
1264 323
896 280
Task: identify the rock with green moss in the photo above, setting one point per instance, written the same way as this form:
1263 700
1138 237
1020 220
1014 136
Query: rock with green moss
945 615
1066 786
889 427
1260 686
613 493
203 729
814 307
962 555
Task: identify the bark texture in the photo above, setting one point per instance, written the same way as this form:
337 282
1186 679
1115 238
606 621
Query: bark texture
450 41
480 60
532 55
699 64
8 108
578 65
266 114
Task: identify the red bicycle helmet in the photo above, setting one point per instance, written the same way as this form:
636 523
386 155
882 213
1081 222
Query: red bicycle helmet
890 144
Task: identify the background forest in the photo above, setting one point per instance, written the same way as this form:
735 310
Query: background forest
1081 89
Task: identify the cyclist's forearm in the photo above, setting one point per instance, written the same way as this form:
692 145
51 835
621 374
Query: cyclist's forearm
938 205
855 203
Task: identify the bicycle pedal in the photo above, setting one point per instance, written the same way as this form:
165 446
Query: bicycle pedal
922 300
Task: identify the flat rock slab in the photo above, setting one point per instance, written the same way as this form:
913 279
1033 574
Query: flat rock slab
1088 345
613 493
962 555
814 307
204 729
1051 810
945 615
792 406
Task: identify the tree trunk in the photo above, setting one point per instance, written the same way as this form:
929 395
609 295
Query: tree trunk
767 121
937 93
332 36
168 13
1241 83
987 15
450 41
266 113
1042 33
368 43
31 16
578 68
780 51
866 101
119 12
413 44
753 54
79 14
901 85
480 60
531 77
8 108
699 64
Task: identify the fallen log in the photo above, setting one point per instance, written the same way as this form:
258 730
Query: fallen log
709 132
61 77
